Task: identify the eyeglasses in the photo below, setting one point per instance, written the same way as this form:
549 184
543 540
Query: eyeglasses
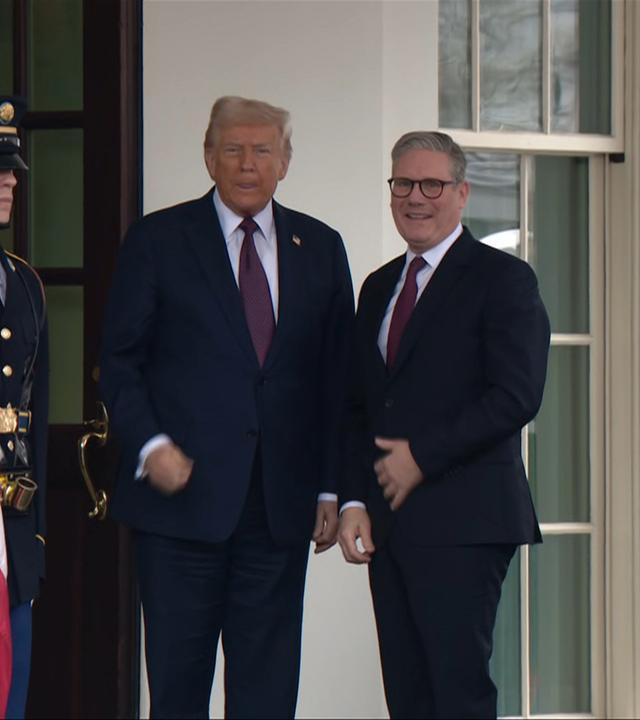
431 188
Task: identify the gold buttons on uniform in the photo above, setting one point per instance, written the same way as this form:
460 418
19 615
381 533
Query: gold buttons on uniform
7 371
5 333
10 445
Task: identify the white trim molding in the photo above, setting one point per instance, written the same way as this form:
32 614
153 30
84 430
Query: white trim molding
622 413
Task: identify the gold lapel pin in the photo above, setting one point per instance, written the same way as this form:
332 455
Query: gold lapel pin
297 240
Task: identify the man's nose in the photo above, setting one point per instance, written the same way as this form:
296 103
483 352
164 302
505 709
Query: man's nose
416 194
9 179
247 160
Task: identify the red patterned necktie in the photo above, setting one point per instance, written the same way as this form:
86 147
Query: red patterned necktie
254 289
404 307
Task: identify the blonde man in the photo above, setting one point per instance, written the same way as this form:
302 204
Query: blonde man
223 369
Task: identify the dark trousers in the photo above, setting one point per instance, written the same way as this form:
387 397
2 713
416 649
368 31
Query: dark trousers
435 611
20 617
247 589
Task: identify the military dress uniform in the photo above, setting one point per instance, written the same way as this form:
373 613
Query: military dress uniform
23 425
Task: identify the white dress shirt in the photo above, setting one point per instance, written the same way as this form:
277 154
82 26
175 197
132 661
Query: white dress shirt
433 257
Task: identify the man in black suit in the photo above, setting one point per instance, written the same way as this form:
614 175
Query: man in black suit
224 372
450 361
24 404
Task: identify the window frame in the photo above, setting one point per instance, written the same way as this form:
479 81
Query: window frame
545 141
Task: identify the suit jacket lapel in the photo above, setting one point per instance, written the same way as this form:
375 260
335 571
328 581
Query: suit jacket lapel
452 266
204 234
380 298
290 280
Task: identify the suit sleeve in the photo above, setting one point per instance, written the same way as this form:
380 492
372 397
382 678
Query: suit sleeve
335 363
515 344
356 444
129 323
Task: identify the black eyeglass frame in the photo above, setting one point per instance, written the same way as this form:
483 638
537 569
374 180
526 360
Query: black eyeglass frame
443 184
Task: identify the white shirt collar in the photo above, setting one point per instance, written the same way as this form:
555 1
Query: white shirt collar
229 220
434 255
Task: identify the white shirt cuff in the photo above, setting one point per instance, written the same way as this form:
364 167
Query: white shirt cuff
327 497
146 450
352 503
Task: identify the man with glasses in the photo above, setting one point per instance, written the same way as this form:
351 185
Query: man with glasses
450 361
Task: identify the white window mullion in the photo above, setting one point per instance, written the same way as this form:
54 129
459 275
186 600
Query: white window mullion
546 67
475 65
526 167
597 431
525 633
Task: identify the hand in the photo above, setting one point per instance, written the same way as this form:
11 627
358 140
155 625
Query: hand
168 469
354 525
397 471
324 533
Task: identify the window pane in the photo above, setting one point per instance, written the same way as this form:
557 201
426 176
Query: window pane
454 64
560 240
560 625
493 208
510 65
559 469
581 66
505 662
55 208
66 322
55 47
6 47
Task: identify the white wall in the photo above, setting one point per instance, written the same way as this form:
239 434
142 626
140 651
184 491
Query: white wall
355 74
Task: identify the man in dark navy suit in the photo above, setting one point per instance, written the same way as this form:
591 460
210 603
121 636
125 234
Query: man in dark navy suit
24 402
224 372
450 361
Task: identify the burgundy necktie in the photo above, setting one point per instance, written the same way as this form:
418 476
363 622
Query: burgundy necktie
254 289
403 309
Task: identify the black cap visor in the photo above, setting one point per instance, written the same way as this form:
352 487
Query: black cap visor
12 161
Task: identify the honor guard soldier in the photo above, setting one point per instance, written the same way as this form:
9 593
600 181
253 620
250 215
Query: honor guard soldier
23 416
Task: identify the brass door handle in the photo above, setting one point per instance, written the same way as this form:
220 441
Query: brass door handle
98 429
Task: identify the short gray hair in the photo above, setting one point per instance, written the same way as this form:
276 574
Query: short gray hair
232 110
436 141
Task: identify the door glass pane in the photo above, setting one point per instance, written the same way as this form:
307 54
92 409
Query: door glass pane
493 208
560 239
559 469
6 47
454 64
560 625
55 208
505 662
66 326
55 47
581 66
510 65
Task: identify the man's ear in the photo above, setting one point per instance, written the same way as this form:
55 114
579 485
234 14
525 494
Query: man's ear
464 193
284 166
210 161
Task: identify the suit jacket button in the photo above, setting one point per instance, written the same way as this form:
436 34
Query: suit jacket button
5 333
7 371
388 402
